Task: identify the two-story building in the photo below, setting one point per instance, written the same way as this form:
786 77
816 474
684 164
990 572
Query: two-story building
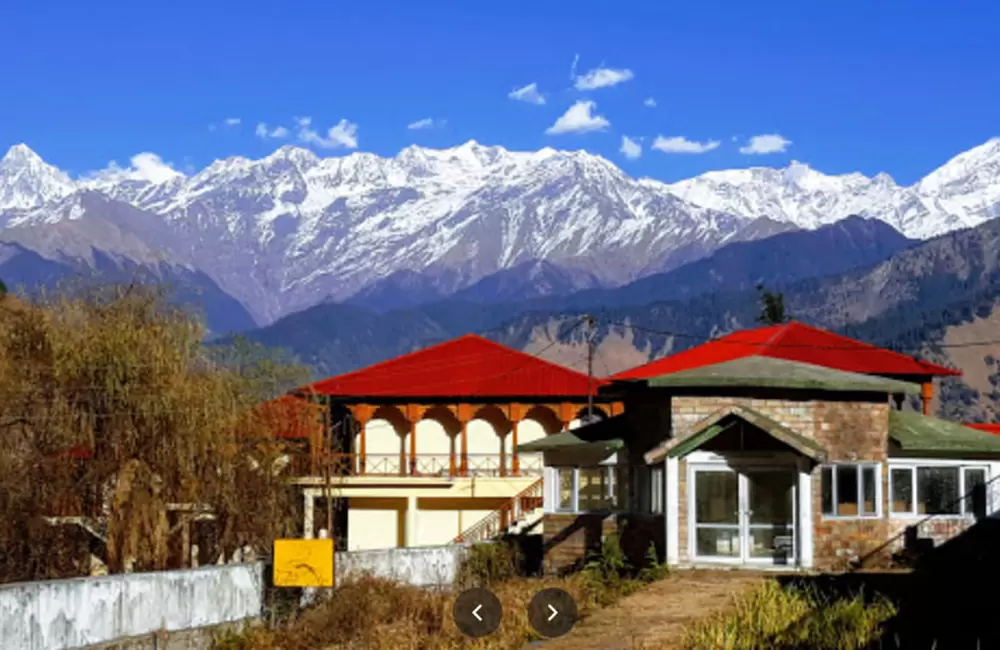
423 449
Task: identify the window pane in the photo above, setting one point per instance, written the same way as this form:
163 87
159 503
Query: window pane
847 490
868 491
593 489
902 490
974 477
565 488
937 491
826 487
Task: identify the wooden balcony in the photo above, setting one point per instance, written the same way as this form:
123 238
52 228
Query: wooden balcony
426 465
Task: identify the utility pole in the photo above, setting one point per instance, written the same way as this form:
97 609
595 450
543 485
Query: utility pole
590 369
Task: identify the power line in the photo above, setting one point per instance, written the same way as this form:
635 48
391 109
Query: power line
744 342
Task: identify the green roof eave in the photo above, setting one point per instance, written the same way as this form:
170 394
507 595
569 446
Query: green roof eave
567 441
766 372
922 434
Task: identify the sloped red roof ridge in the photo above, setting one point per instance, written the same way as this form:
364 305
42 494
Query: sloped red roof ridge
469 366
792 341
984 426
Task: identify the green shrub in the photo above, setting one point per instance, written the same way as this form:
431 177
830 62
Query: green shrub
654 569
489 563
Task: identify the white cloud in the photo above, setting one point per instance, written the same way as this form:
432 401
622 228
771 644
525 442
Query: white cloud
263 132
528 94
680 144
232 121
303 121
602 78
145 166
649 103
344 134
579 119
572 68
426 123
768 143
150 167
631 148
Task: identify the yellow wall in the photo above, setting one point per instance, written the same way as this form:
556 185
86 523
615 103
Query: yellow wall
376 523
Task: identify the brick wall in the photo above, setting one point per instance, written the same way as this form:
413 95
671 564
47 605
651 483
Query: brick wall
568 539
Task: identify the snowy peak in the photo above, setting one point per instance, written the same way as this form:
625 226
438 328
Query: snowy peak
978 166
287 230
27 181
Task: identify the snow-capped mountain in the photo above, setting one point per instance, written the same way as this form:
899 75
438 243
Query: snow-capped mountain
292 229
27 181
962 193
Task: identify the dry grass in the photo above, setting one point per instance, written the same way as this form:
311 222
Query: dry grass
377 614
783 618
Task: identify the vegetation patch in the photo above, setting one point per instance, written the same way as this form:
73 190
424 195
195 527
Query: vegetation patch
779 618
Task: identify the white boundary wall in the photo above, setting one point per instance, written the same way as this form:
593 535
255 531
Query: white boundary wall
64 614
429 566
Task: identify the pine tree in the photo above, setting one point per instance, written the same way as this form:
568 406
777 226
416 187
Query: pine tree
772 307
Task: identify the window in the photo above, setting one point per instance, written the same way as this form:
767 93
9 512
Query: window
934 489
656 491
589 489
850 490
567 490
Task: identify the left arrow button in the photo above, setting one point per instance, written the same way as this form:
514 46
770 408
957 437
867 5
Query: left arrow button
477 612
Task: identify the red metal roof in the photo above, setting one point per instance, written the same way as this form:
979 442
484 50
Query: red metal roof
467 367
792 341
990 428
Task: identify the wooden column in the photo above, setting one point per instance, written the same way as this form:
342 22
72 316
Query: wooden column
517 413
362 415
927 396
413 414
515 463
464 415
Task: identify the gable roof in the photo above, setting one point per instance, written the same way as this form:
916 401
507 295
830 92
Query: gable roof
923 434
792 341
470 366
606 433
765 372
712 426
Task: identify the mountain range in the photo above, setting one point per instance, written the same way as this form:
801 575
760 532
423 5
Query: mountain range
293 230
938 299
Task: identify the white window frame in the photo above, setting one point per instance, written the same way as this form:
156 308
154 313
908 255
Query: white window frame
657 475
962 466
610 469
858 465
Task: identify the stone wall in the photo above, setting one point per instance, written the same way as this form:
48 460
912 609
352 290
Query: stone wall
848 430
568 539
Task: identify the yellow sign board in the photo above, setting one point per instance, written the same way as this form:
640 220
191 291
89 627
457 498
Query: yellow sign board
303 562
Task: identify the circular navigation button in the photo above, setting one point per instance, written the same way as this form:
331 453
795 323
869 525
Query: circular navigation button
552 612
477 612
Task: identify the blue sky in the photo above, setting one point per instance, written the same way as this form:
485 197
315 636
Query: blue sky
854 86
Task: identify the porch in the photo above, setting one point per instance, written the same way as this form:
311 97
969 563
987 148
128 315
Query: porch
435 440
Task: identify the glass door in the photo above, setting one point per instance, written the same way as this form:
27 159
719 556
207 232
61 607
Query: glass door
770 516
717 514
744 517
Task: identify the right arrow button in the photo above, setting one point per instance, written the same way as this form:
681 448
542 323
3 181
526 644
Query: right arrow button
552 612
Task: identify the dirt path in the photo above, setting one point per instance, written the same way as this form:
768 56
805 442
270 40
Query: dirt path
656 616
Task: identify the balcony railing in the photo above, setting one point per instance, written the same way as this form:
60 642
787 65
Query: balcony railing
427 465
